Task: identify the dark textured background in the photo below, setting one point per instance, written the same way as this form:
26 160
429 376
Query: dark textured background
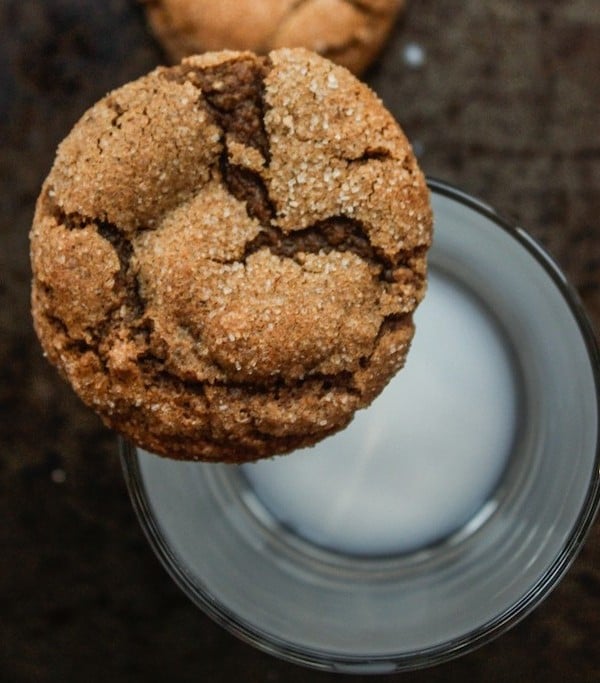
506 105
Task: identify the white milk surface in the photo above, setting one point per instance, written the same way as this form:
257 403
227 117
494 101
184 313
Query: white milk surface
422 460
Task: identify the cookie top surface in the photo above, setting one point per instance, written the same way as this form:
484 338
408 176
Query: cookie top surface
227 254
348 32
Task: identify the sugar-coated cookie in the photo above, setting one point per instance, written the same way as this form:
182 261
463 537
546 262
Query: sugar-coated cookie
227 254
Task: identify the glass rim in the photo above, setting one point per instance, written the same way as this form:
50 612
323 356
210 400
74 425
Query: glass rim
450 649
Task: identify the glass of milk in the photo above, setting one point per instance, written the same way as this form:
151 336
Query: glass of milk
444 513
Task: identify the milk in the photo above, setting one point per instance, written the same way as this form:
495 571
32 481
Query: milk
422 461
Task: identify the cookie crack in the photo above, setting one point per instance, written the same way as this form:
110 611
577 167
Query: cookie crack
154 366
341 380
126 281
390 323
248 187
234 94
71 344
336 233
127 278
370 154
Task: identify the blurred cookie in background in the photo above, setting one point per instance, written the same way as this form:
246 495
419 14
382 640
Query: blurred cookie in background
349 32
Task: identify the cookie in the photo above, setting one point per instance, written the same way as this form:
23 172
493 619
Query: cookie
347 32
227 254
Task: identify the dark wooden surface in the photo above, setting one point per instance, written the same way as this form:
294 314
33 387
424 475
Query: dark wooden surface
505 105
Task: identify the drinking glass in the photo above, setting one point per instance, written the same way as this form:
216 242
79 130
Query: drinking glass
255 546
